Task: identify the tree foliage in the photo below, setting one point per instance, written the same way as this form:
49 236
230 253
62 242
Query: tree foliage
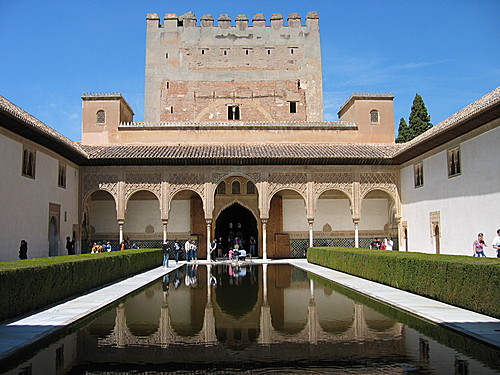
403 131
420 121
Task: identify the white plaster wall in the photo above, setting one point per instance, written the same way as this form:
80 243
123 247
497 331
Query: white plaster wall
374 214
103 216
26 200
468 203
294 215
336 212
140 214
180 217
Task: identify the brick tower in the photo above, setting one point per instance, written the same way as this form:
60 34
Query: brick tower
258 72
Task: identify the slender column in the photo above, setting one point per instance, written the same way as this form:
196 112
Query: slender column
120 225
164 230
311 289
209 232
311 232
264 239
356 233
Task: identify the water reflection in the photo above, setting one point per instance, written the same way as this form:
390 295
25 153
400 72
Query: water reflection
238 305
246 315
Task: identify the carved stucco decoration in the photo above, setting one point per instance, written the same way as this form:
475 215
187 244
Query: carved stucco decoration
143 181
333 181
386 181
288 180
190 181
100 181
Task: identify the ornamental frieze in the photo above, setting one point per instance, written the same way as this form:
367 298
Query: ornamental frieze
338 181
190 181
100 181
279 181
143 181
384 180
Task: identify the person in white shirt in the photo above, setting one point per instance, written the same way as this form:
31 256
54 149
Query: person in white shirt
389 244
496 243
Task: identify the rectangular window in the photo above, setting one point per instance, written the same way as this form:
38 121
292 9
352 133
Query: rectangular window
293 107
233 112
61 177
29 159
418 173
454 167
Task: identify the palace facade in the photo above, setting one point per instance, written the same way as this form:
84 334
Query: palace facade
234 146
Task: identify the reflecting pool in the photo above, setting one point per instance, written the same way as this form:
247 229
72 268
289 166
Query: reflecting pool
253 319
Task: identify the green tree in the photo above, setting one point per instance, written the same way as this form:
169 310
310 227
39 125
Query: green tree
419 118
403 131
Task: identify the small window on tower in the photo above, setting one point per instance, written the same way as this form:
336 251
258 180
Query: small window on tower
293 107
233 112
166 55
101 117
374 117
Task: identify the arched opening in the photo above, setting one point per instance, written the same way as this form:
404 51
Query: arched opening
186 220
53 237
287 227
143 226
99 221
333 225
236 221
378 218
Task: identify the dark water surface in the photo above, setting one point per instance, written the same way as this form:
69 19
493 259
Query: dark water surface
252 319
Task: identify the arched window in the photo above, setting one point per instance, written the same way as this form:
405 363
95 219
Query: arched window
235 187
374 117
250 187
101 117
221 188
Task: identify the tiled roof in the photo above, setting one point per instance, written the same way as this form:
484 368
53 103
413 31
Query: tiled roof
244 154
34 129
485 108
476 114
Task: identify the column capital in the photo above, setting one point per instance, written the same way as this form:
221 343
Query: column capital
121 221
356 220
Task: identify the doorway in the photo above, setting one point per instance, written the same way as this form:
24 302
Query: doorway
53 237
236 221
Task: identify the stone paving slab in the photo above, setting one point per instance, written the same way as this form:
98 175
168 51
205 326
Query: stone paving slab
481 327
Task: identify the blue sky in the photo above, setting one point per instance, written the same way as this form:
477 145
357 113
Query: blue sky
445 50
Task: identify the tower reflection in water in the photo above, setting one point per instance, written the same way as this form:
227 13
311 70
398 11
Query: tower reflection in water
235 317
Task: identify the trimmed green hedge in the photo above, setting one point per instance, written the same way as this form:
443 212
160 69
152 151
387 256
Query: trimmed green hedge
467 282
471 348
28 285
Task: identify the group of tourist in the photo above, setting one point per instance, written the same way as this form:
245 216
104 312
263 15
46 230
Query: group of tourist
386 244
101 247
479 245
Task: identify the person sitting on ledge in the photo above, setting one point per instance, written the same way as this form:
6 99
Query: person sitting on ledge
242 254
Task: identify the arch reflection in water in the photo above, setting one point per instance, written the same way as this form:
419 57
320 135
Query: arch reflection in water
233 317
241 306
